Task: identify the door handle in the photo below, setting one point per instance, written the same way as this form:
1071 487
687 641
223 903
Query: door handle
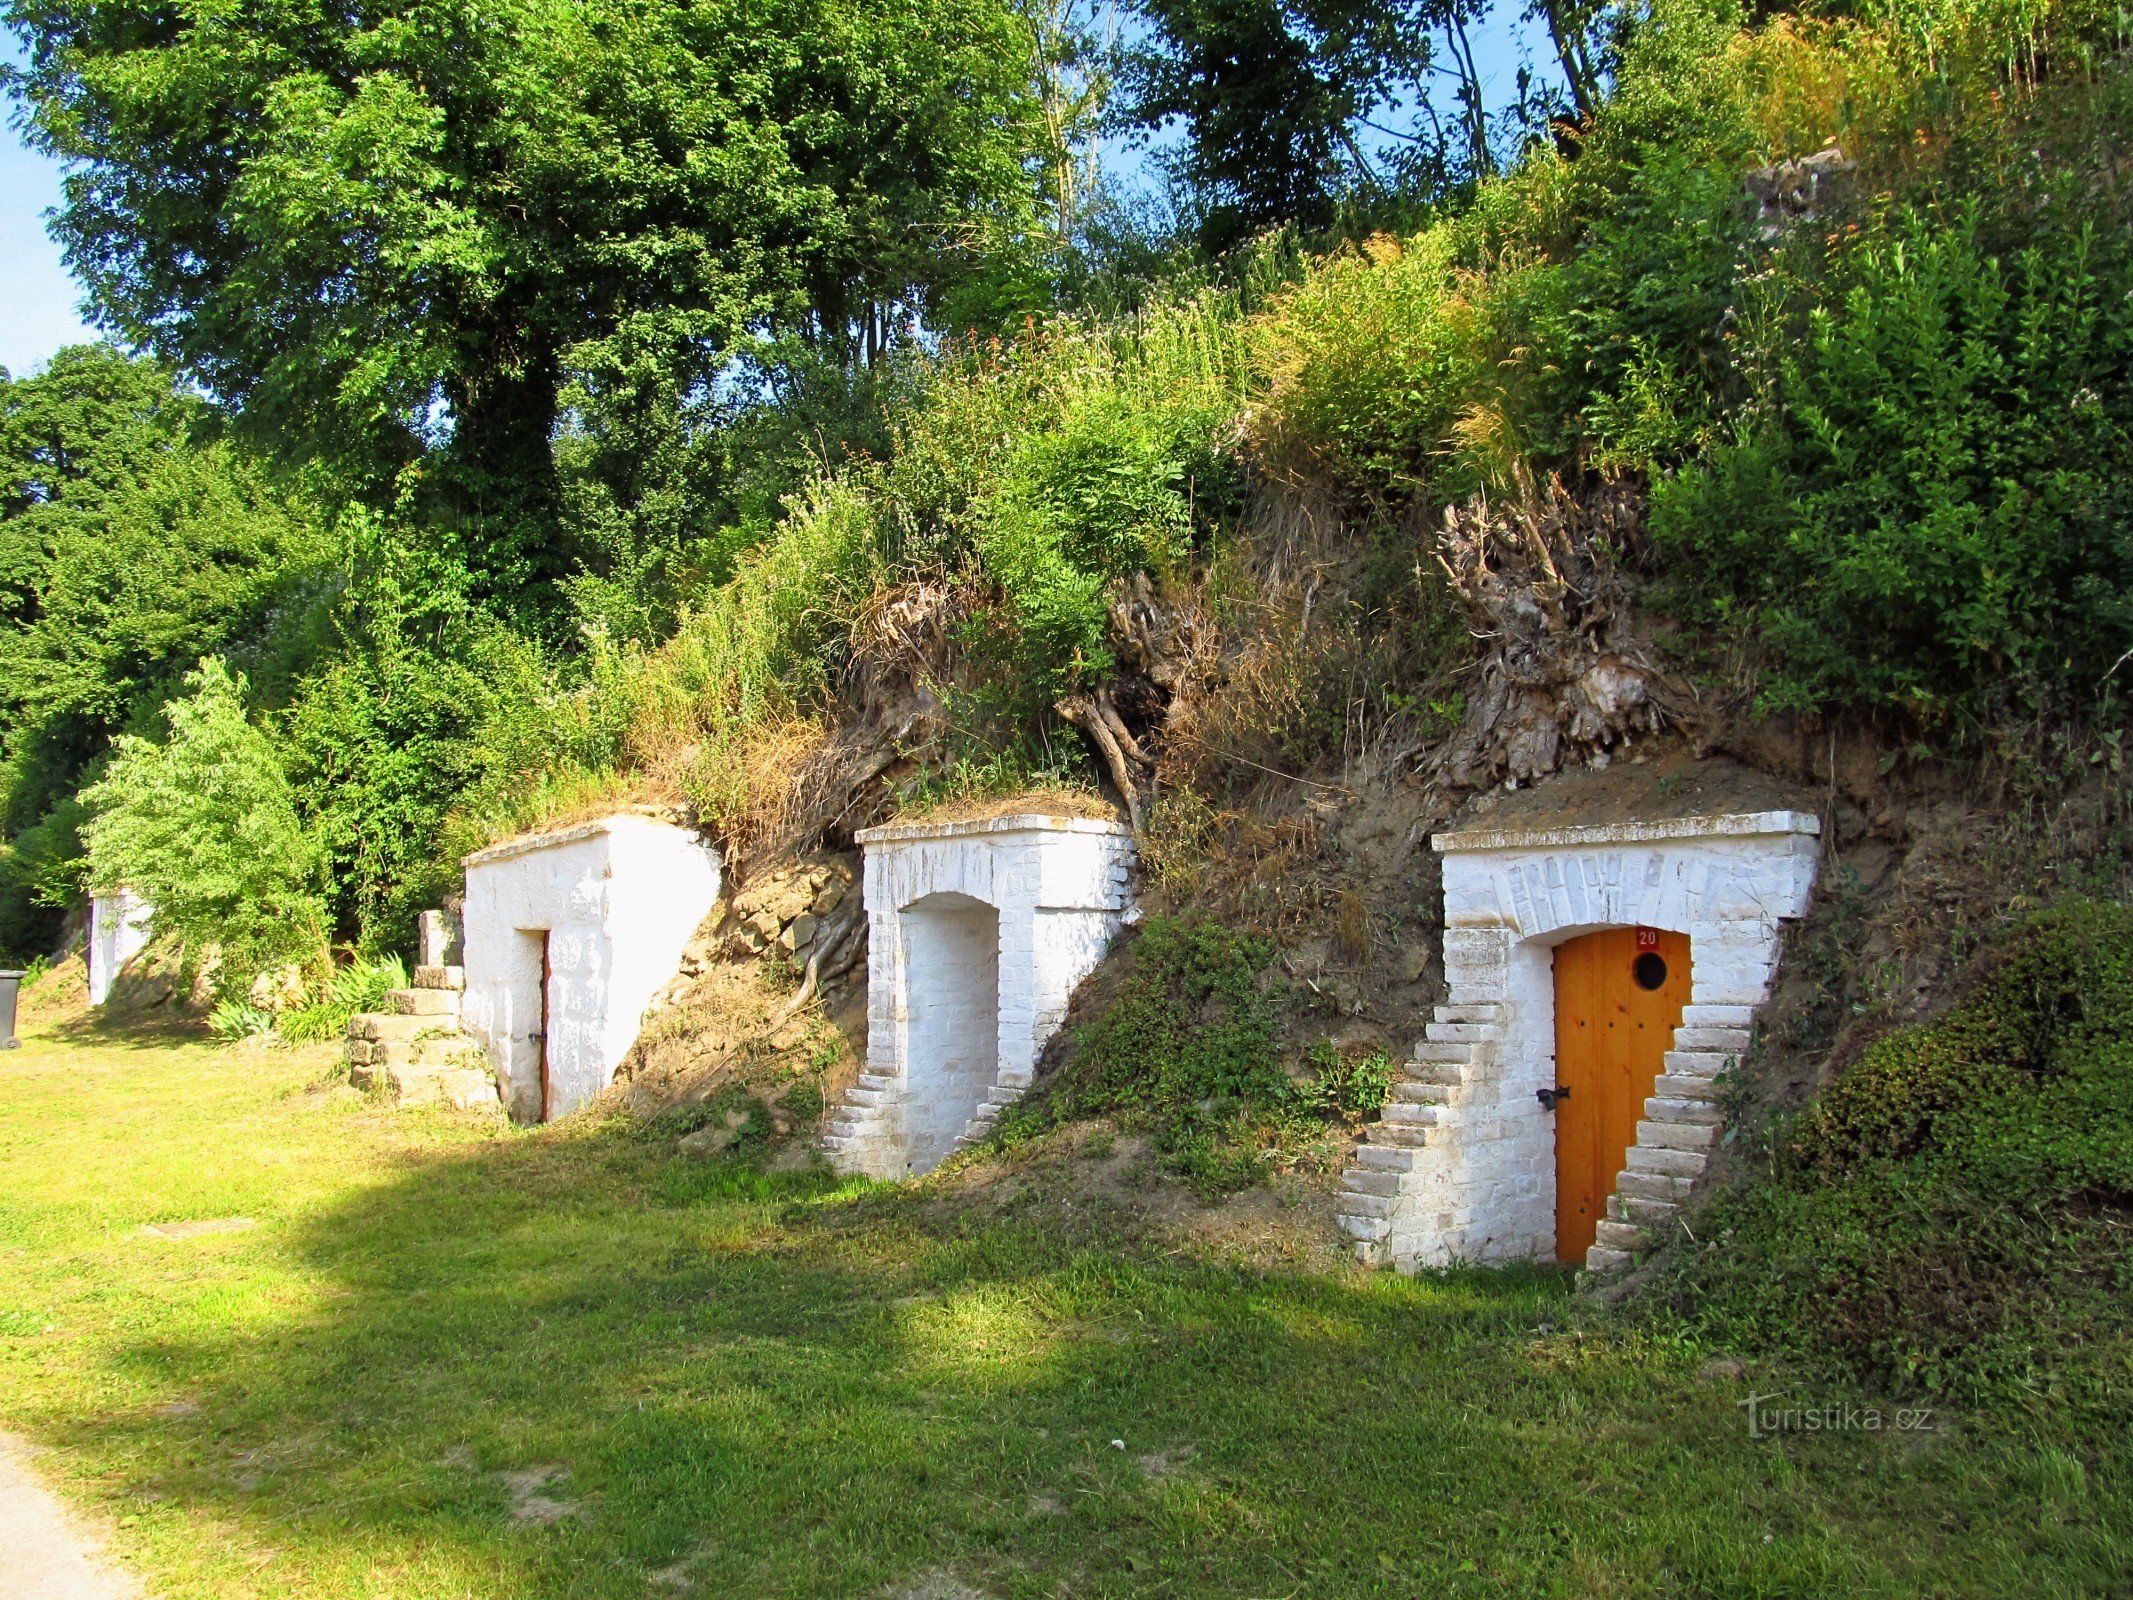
1549 1098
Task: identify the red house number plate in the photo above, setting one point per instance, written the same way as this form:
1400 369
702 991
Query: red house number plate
1647 938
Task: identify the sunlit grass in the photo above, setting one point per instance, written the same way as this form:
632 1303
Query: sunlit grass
453 1359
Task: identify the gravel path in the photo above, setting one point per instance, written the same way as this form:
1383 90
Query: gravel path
44 1553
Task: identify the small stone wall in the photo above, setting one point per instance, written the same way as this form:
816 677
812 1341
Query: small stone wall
613 903
119 928
1462 1168
978 934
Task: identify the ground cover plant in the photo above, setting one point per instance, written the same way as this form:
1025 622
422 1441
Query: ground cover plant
447 1359
1187 1050
1949 1215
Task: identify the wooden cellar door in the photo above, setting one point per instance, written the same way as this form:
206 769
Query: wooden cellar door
1618 999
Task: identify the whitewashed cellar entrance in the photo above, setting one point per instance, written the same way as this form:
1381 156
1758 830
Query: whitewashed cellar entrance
1464 1165
568 935
978 933
120 924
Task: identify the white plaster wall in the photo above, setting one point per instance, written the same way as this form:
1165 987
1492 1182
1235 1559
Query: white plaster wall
616 901
1059 888
952 1027
119 929
1483 1185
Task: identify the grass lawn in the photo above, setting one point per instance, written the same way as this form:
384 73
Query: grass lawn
451 1359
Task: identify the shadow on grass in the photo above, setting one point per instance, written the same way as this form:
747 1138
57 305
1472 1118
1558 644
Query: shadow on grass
573 1364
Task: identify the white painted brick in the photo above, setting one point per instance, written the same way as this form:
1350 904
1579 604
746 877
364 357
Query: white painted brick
978 935
614 902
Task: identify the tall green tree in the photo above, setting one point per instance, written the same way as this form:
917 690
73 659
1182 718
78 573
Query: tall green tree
1270 96
395 232
135 536
204 827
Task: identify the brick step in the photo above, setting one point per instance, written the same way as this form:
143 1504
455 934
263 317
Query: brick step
1619 1235
439 978
1696 1016
1601 1259
1698 1063
1679 1135
400 1026
1362 1180
1728 1041
1673 1163
1421 1112
1477 1011
1464 1032
1383 1158
1440 1052
1421 1092
1398 1135
1661 1109
1366 1230
1367 1205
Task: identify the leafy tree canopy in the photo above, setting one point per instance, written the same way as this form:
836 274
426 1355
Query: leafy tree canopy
401 228
204 827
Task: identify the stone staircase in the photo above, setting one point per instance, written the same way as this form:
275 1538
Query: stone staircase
997 1099
415 1053
1387 1161
862 1117
1682 1125
865 1116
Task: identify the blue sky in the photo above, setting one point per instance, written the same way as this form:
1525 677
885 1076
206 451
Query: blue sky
39 300
37 297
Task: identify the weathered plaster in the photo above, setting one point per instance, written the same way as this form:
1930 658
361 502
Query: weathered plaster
978 933
615 902
1465 1169
119 929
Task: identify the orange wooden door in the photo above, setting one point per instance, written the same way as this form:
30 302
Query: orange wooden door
1618 1000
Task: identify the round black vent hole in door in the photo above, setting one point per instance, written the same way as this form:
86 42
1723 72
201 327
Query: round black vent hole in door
1649 970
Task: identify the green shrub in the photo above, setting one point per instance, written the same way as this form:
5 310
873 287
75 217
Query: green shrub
360 986
204 828
1346 1088
1927 508
233 1020
1949 1216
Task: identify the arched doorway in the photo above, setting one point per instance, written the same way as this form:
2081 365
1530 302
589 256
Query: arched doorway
952 1049
1619 995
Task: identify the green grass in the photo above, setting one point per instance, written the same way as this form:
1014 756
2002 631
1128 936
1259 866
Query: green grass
769 1386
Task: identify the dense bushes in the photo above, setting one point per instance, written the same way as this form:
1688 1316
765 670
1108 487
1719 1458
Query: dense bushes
1926 505
1950 1216
1885 447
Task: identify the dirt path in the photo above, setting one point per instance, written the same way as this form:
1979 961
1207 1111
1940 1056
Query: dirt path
48 1555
